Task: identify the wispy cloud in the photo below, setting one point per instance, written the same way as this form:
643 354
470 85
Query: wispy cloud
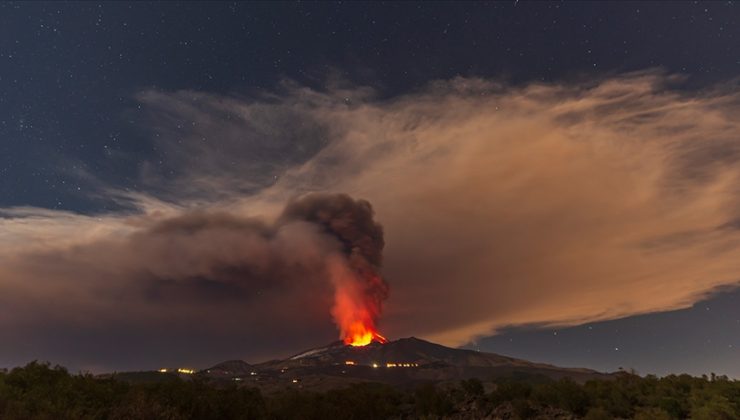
545 203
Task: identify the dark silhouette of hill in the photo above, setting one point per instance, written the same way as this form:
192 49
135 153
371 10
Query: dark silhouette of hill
404 362
230 368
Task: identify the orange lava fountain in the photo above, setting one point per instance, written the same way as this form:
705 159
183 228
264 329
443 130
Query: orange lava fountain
355 310
359 335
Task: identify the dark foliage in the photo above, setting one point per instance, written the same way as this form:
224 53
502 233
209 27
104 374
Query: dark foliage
40 391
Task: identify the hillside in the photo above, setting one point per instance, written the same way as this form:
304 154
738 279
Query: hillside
404 362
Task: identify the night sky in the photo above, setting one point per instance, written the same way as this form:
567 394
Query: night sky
577 229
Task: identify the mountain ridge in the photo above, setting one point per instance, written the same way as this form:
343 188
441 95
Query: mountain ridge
405 361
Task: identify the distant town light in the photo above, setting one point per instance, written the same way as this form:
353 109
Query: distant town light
375 365
163 370
349 362
391 364
186 371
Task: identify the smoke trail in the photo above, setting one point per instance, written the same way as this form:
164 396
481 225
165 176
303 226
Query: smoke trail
359 288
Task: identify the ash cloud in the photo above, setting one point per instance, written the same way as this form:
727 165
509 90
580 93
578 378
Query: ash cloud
350 221
546 204
210 272
359 291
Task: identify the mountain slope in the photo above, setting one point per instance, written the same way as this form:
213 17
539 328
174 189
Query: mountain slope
402 351
404 361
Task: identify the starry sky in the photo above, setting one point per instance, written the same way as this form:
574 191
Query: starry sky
556 180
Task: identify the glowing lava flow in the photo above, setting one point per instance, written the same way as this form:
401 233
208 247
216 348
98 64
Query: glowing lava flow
356 307
359 335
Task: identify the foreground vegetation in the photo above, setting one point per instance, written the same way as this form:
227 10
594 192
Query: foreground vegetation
39 391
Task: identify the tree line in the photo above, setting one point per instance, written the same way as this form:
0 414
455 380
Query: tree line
42 391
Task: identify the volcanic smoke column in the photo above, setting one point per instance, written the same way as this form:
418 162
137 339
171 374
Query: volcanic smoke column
359 288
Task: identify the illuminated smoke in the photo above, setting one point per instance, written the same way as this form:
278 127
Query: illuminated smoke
359 288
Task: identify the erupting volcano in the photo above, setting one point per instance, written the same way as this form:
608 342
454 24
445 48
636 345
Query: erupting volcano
356 318
357 302
359 290
361 335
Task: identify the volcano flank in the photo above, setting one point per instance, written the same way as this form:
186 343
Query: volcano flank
403 362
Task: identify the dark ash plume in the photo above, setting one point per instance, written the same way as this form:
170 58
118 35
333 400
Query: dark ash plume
348 220
360 290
